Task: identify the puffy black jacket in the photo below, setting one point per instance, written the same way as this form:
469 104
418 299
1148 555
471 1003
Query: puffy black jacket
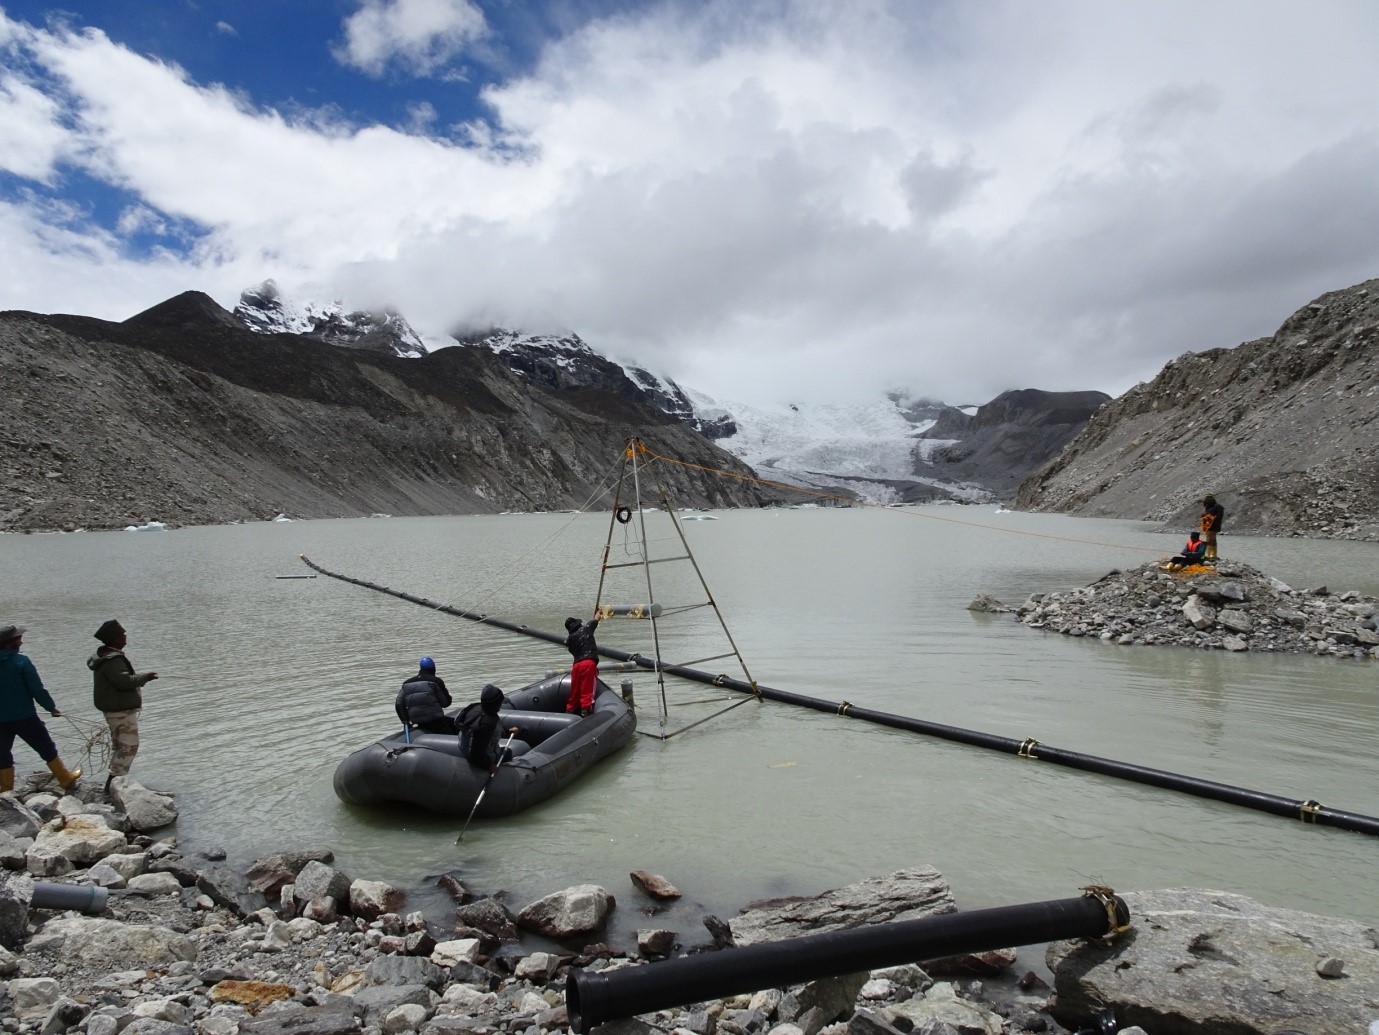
580 643
485 738
422 699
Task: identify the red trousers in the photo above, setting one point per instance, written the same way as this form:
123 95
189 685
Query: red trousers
583 675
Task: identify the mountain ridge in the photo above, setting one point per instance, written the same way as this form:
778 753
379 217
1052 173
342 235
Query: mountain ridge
1284 430
180 416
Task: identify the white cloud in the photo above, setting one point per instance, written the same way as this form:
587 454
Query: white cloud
226 29
31 138
422 35
766 201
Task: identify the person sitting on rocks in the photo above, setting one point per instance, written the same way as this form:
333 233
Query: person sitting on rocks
422 701
1194 552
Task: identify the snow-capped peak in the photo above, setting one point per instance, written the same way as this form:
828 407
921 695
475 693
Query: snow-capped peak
265 309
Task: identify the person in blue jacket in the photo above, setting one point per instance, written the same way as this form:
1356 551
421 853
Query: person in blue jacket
20 690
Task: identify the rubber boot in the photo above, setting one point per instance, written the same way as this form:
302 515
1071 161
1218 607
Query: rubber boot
6 779
65 777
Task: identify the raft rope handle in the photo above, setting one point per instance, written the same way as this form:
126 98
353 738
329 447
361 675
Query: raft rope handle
1309 810
1027 747
1106 896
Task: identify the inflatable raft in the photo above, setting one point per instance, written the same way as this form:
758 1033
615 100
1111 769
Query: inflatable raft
552 750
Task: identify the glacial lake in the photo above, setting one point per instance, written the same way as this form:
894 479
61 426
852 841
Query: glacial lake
267 682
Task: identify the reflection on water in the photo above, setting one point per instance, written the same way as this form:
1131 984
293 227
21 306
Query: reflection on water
267 683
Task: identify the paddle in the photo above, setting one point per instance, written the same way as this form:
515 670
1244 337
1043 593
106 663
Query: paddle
501 751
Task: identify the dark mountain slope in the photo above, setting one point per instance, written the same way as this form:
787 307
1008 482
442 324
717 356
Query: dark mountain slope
1284 430
181 416
1011 436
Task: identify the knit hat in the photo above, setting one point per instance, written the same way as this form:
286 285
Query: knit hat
11 632
571 624
109 630
490 698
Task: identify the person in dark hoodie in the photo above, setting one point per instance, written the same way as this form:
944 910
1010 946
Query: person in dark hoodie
20 690
481 730
116 689
584 673
422 701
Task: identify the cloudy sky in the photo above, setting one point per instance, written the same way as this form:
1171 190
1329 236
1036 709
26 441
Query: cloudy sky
770 201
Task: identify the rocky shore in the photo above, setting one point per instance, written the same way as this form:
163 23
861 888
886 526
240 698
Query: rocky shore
1230 607
166 943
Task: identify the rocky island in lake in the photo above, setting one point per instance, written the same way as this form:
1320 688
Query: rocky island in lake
1230 607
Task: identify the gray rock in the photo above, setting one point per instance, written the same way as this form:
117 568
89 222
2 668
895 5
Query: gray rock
317 880
112 945
489 916
657 887
903 895
16 894
404 970
269 874
230 889
376 1001
582 909
1189 948
314 1020
146 810
17 819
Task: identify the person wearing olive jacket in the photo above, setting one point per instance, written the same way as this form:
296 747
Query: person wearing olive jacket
20 690
116 689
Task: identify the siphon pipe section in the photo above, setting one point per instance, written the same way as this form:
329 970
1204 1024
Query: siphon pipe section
597 997
1306 810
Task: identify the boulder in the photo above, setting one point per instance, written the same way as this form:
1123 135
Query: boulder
317 880
1216 963
146 810
657 887
1201 614
16 893
582 909
904 895
82 840
489 916
269 874
112 945
17 819
370 899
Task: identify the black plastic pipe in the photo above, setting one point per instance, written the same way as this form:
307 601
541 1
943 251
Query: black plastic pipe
596 997
86 898
1306 810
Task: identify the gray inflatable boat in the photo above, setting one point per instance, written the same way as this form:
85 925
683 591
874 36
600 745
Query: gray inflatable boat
552 750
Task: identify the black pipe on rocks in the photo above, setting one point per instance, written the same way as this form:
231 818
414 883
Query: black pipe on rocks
1307 811
86 898
594 998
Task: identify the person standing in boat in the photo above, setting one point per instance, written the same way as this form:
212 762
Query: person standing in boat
584 673
20 690
116 689
481 731
422 701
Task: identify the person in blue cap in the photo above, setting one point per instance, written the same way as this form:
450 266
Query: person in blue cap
422 701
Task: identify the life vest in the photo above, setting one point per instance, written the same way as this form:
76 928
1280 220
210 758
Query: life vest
1195 547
